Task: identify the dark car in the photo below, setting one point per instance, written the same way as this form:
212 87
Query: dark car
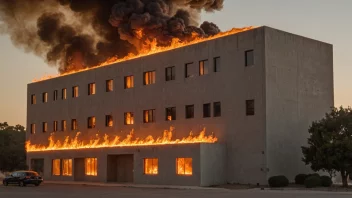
22 178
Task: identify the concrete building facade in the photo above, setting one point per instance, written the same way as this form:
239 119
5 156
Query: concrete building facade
257 91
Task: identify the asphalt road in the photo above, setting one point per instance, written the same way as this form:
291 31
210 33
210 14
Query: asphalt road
80 191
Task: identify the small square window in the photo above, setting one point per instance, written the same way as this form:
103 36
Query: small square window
250 107
109 85
151 166
45 97
170 113
184 166
109 122
249 57
63 125
32 128
129 118
217 109
75 92
188 70
74 124
33 99
206 110
64 94
149 78
55 126
91 89
149 116
56 93
170 73
189 111
45 127
217 65
203 67
91 122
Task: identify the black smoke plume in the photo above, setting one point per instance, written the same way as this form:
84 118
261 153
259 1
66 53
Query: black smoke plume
75 34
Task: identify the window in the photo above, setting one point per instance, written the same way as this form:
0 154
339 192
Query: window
206 110
217 109
91 89
217 64
189 111
129 118
67 167
109 85
75 92
203 67
74 124
250 107
63 125
91 166
56 166
170 73
45 127
91 122
184 166
33 99
170 113
64 94
109 122
129 82
32 128
187 70
148 116
151 166
55 95
45 97
55 126
149 78
249 57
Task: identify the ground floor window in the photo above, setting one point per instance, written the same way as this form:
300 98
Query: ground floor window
91 166
67 167
56 167
184 166
151 166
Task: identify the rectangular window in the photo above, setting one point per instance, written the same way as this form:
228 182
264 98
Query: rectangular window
217 109
189 111
33 99
45 97
32 128
75 92
188 70
250 107
74 124
151 166
129 118
91 166
45 127
91 122
55 126
149 78
129 82
109 85
184 166
56 166
148 116
63 125
203 67
170 73
91 89
109 122
64 94
67 167
217 65
56 93
249 58
170 113
206 110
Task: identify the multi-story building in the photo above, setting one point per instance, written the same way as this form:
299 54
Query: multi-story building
257 91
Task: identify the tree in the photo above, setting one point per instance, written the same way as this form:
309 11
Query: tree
330 144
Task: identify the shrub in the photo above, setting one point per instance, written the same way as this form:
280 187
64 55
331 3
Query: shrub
326 181
299 179
312 182
278 181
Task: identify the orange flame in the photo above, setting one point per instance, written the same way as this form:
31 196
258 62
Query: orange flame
106 141
152 48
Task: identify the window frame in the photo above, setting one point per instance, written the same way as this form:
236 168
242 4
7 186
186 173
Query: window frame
109 85
250 111
172 76
131 78
107 120
63 125
246 57
69 168
45 97
215 113
91 122
170 111
44 127
91 89
154 162
187 69
55 126
204 112
184 166
217 65
186 111
54 164
95 166
64 94
56 95
74 124
203 67
152 111
149 76
33 99
74 93
33 128
131 118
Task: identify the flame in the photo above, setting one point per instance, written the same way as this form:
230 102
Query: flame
115 141
151 48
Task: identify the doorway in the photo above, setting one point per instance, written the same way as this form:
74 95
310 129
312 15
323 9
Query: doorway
120 168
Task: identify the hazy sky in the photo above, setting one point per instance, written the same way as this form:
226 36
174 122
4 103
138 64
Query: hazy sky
325 20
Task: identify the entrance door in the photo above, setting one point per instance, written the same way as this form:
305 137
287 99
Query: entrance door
79 169
120 168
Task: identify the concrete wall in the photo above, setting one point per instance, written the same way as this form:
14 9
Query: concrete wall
299 90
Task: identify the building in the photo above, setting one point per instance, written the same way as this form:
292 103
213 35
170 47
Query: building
257 90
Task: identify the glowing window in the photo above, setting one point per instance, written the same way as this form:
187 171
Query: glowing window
56 167
74 124
64 94
45 97
91 89
109 85
109 122
55 95
170 113
184 166
151 166
55 126
67 167
33 99
129 118
32 128
203 67
75 92
149 116
149 78
91 166
63 125
91 122
45 127
129 82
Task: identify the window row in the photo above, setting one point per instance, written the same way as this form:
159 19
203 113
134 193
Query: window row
150 166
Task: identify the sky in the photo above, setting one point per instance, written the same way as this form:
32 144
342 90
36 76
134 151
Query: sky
324 20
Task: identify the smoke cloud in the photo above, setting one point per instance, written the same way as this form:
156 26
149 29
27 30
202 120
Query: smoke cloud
75 34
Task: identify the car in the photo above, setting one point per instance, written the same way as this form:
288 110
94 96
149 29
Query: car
22 178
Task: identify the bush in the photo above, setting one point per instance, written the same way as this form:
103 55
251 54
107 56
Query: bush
326 181
299 179
278 181
312 182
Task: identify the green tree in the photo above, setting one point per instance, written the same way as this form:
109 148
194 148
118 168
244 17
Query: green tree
330 144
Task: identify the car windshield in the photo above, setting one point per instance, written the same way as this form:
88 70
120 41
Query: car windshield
32 174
